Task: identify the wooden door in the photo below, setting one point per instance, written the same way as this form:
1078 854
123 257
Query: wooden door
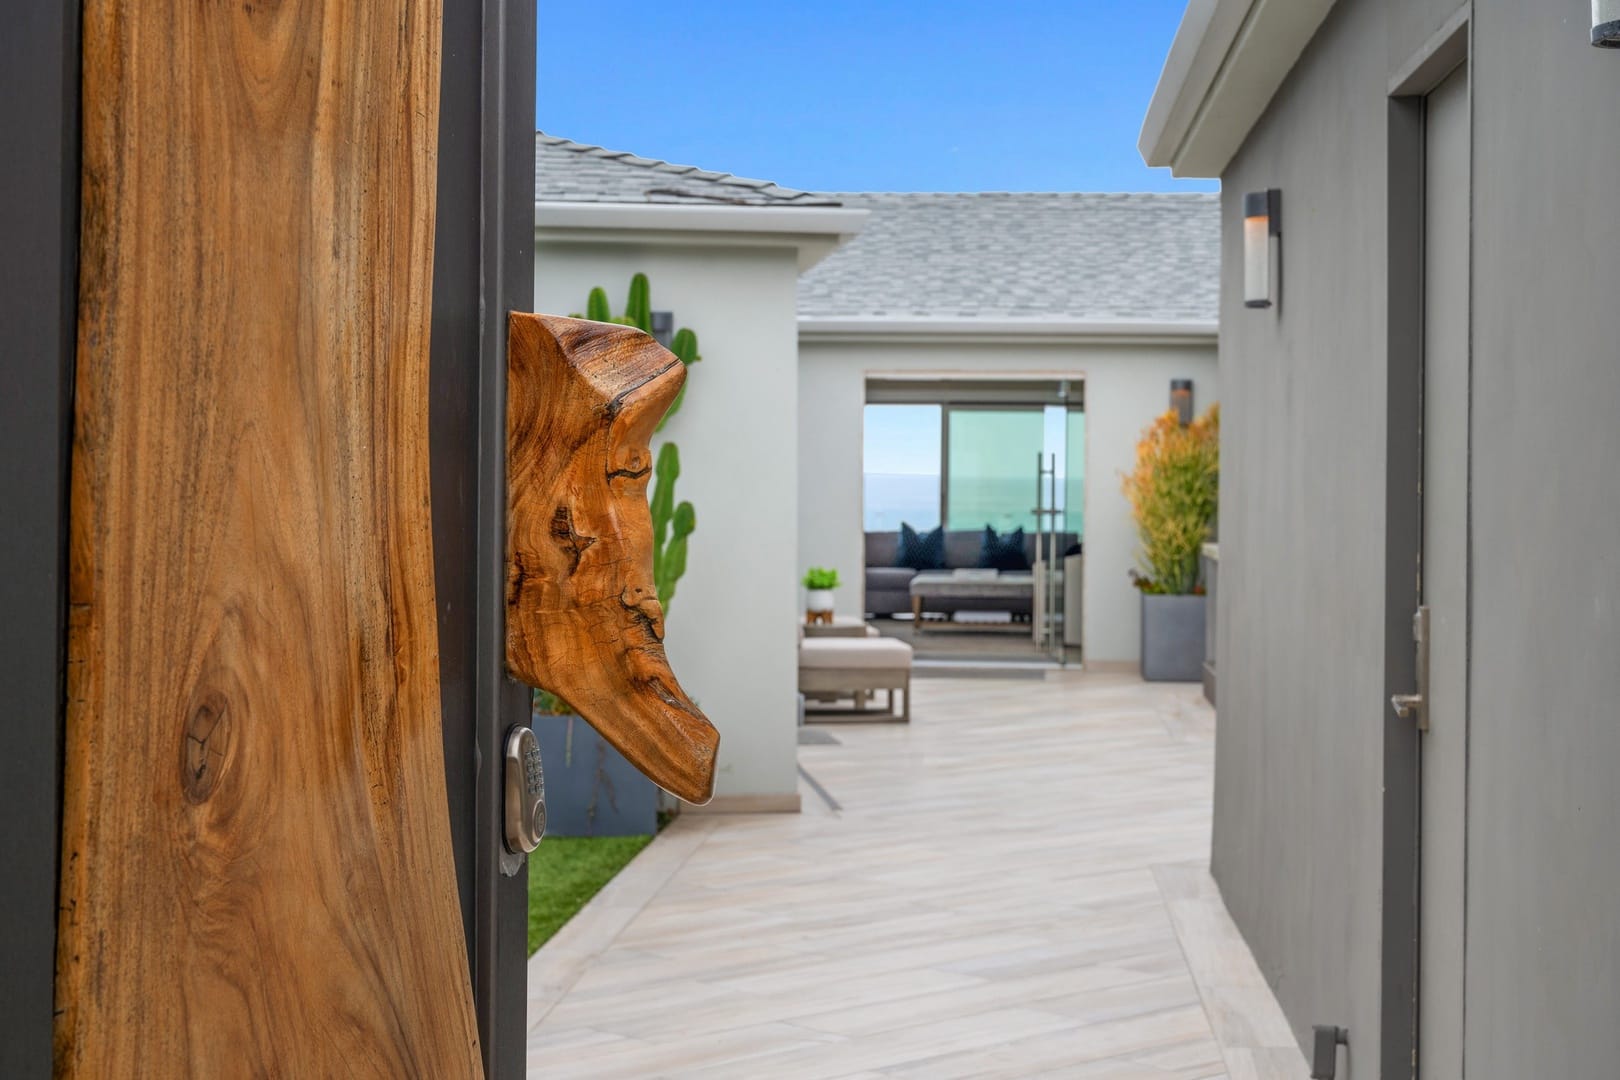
1444 751
257 866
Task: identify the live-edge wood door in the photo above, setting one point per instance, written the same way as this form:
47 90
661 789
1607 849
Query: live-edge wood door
256 870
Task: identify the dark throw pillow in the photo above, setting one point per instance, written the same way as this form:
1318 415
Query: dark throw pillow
1003 552
920 551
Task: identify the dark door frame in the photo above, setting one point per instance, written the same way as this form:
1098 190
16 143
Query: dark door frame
483 267
1403 536
39 225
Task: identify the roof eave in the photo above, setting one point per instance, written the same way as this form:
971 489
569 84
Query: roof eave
896 330
805 220
1228 60
814 232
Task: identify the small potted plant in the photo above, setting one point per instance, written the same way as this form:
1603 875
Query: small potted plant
1173 495
819 582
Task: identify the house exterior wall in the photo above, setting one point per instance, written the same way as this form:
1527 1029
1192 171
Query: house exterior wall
731 630
1544 739
1300 623
1300 756
1126 386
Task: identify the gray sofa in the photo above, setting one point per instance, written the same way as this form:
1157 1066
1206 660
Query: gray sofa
888 587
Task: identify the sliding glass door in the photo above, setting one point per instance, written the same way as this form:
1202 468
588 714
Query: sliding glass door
902 467
989 478
1007 455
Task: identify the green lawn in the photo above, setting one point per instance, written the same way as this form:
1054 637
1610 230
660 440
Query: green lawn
566 871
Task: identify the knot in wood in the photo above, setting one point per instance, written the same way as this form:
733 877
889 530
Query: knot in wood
643 601
205 750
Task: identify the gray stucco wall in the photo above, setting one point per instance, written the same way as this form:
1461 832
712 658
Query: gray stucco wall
1298 754
1544 742
1299 795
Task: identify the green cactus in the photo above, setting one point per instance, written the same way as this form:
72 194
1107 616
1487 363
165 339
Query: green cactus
596 307
662 503
685 348
672 524
638 306
675 553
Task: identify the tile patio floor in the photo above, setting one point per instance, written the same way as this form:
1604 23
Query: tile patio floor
1013 887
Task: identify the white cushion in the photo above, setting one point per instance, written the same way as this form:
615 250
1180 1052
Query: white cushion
870 652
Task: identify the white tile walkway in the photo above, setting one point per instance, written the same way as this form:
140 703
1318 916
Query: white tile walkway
1014 887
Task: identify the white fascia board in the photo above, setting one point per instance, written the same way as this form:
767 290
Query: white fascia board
815 231
1228 60
994 331
811 220
1171 110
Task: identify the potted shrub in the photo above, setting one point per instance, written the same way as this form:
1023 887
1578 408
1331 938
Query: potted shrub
591 790
819 582
1173 492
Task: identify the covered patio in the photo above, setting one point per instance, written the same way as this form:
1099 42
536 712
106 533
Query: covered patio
1014 885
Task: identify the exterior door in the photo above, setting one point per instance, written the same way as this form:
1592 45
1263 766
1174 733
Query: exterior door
1444 575
268 677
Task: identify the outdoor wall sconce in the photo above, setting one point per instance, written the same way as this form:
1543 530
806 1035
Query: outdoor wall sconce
582 613
1262 245
1181 399
1606 24
663 327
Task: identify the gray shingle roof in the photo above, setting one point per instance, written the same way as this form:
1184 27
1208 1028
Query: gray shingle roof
997 255
567 171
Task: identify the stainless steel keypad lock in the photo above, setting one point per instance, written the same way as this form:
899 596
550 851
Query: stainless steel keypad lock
525 792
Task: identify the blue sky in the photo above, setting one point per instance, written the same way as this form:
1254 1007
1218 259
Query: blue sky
875 96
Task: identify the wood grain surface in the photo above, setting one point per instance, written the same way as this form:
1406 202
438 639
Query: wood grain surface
257 876
583 619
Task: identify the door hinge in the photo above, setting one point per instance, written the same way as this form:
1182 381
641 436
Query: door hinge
1416 706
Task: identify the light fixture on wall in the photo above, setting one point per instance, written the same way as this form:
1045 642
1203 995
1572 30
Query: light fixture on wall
1606 24
663 327
1262 240
1181 399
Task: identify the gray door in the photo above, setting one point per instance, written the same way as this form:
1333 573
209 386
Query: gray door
1444 754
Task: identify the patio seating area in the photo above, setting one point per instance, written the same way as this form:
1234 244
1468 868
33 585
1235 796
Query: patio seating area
1012 885
841 665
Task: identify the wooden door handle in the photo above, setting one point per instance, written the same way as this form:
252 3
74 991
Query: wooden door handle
582 614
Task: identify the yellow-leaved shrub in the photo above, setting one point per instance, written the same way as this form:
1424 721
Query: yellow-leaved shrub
1173 492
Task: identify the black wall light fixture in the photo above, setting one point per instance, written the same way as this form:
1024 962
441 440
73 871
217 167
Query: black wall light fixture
663 327
1262 241
1181 399
1606 24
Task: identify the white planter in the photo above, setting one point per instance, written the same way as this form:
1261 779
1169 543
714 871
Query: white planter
818 600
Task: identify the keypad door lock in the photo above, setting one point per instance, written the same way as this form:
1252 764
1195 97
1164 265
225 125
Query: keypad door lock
525 792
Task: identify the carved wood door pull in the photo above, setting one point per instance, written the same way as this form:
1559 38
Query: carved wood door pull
582 615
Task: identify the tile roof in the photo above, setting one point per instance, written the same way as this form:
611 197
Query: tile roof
568 171
998 255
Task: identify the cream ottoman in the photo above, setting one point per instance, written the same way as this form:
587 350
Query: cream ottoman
856 667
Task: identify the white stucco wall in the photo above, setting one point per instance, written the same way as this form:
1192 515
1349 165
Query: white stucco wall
730 631
1126 386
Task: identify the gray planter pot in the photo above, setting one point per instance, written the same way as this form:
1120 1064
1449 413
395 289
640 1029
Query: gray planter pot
1172 638
591 790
